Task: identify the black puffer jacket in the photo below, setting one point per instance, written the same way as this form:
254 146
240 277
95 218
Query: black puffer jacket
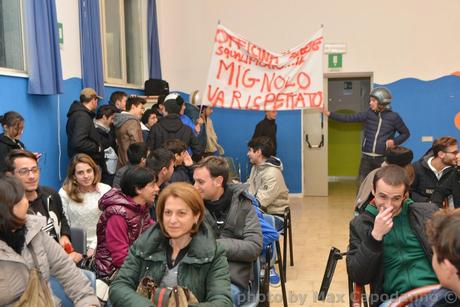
449 187
171 127
82 136
7 145
365 254
378 128
425 181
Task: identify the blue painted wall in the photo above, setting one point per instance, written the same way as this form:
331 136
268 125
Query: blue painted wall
42 115
427 107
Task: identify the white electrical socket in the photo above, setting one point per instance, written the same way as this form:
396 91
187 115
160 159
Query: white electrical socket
427 138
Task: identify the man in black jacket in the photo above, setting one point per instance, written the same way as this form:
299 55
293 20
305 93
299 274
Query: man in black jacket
383 129
82 136
42 200
433 169
171 127
388 245
449 189
267 127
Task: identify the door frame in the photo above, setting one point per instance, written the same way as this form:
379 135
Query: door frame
320 171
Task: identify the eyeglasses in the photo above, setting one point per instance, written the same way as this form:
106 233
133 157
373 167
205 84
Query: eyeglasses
25 171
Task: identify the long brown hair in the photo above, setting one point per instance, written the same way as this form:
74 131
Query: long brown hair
11 192
70 183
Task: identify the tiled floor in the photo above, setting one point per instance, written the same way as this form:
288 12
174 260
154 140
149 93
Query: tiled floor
318 224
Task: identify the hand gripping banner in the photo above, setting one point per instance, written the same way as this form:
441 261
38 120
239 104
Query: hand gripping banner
245 76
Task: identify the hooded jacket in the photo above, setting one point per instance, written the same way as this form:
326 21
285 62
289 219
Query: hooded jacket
82 136
203 270
425 181
7 145
128 131
52 261
365 263
266 183
114 204
171 127
378 128
240 234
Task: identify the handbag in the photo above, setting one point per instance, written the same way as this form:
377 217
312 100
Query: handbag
37 293
165 297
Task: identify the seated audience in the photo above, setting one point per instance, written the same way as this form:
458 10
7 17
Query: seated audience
44 201
182 163
388 248
24 246
161 161
397 155
230 214
449 190
442 233
125 215
180 250
433 169
13 127
137 155
80 195
266 181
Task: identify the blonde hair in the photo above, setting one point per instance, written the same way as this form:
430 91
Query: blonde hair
70 183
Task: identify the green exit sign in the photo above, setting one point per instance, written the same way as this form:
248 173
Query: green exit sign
334 60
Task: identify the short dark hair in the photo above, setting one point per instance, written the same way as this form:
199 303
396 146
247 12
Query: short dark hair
176 146
392 175
442 230
117 95
15 154
106 110
11 119
217 166
442 143
11 193
160 158
136 177
264 143
136 152
145 117
134 101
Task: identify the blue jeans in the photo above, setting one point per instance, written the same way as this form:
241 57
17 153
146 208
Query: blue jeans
239 295
59 292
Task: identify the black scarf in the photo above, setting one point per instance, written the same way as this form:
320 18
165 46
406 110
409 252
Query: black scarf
220 207
15 239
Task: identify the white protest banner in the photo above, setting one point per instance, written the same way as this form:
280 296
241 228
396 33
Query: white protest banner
245 76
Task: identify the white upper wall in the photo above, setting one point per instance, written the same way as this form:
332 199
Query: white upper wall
68 14
394 39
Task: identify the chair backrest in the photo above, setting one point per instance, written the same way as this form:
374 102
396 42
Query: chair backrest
78 236
235 168
254 289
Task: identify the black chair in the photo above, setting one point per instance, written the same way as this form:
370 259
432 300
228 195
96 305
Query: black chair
78 236
287 233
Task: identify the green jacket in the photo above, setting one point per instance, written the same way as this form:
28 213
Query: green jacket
204 269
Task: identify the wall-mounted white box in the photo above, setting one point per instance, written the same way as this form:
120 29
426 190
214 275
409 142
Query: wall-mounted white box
427 138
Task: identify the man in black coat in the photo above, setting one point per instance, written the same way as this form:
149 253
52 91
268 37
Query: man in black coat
171 127
267 127
434 168
82 136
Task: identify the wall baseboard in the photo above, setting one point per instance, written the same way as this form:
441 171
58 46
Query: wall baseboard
341 178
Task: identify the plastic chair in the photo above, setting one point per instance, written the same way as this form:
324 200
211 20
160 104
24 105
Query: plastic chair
234 167
79 243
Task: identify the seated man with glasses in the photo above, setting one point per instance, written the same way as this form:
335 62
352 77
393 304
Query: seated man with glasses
388 247
43 200
434 168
